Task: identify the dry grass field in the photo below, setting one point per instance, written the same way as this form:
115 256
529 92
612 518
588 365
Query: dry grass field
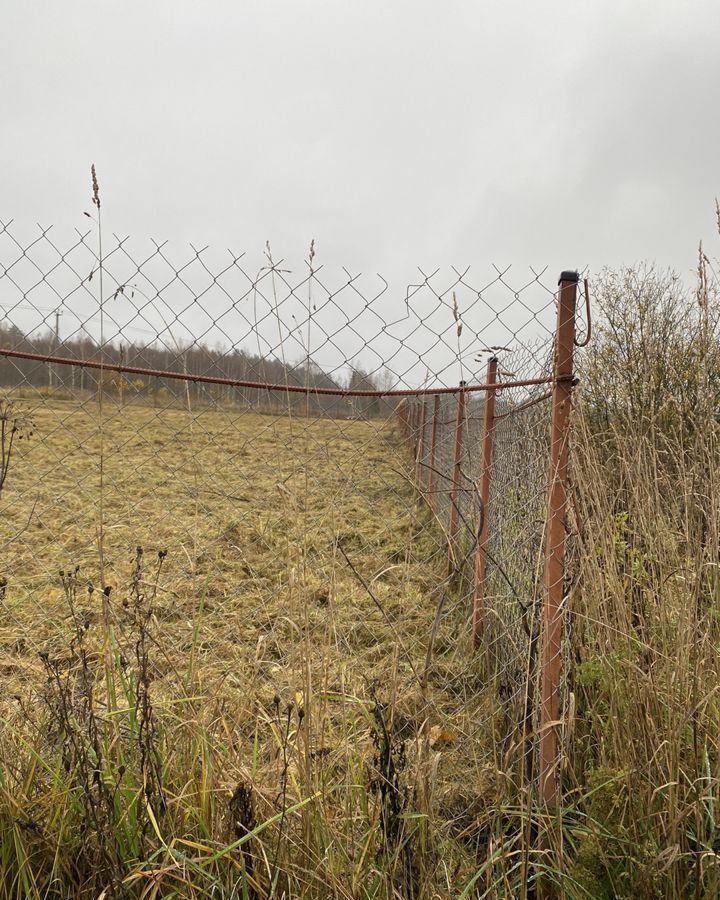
289 649
254 512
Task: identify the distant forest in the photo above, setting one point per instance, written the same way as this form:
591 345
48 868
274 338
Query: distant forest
236 364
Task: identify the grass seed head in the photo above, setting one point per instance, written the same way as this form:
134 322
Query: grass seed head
95 187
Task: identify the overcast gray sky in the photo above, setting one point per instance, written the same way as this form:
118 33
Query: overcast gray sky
395 133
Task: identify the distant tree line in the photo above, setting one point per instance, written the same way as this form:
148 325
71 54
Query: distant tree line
196 359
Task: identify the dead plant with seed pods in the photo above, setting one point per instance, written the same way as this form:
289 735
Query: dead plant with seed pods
395 854
103 726
149 760
15 425
242 810
80 732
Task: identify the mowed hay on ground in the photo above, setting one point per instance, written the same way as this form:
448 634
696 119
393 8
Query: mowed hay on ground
256 608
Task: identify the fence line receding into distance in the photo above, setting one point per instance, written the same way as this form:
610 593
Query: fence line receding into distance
461 384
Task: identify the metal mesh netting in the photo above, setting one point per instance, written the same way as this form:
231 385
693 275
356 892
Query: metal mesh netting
448 436
517 509
248 418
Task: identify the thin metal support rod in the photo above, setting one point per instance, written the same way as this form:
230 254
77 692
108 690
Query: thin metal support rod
556 529
455 491
433 443
421 445
478 611
402 412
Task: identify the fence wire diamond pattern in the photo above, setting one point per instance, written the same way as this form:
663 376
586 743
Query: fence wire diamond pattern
306 445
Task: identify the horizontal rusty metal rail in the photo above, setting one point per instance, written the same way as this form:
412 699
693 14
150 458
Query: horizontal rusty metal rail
261 385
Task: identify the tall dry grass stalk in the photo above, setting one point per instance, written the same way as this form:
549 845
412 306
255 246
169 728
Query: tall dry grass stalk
101 383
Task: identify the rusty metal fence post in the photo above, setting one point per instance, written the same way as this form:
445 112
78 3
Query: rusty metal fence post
455 491
554 571
478 611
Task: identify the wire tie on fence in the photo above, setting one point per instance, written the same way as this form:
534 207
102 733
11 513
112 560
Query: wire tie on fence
588 333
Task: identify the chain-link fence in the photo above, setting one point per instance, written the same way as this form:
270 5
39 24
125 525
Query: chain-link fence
495 542
307 446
